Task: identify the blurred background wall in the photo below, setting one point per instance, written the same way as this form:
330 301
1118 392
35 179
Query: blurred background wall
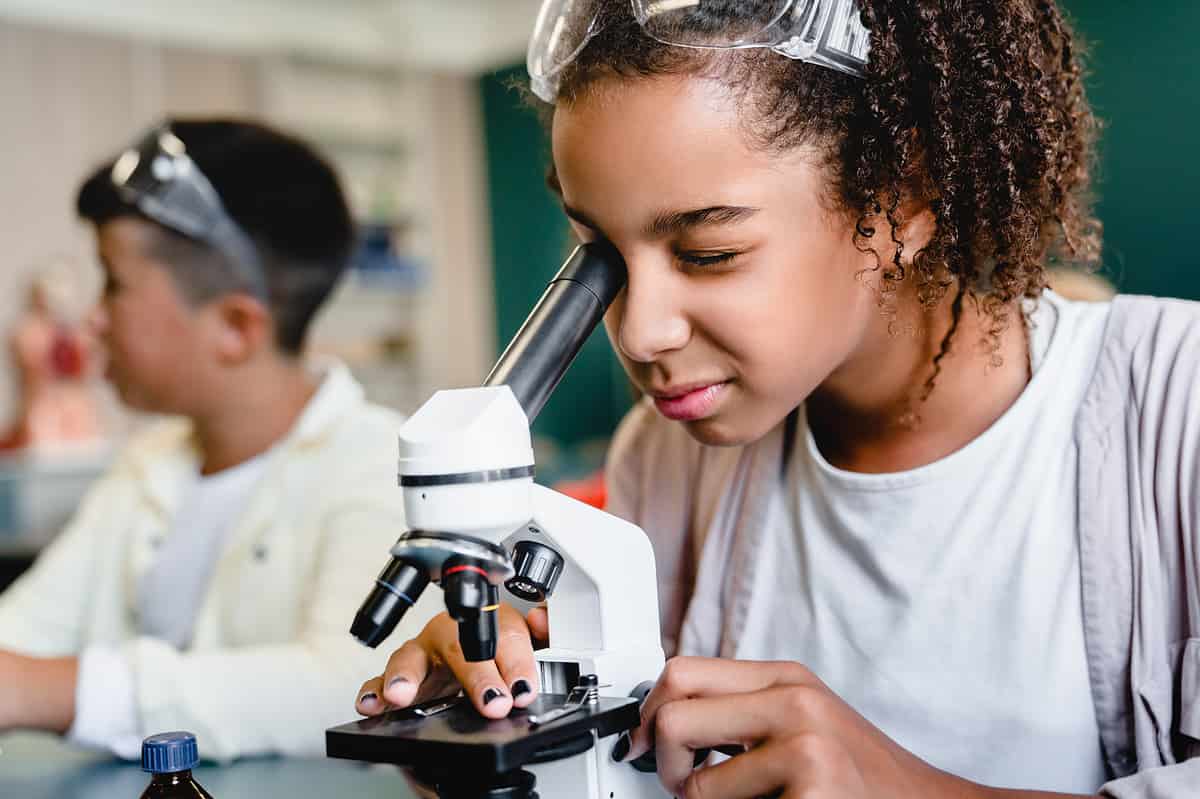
1143 83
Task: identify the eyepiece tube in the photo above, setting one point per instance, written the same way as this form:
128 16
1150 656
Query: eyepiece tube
397 589
569 310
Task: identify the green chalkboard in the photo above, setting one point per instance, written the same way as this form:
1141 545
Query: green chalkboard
1143 83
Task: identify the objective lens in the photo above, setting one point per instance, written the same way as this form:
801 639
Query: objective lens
397 589
472 601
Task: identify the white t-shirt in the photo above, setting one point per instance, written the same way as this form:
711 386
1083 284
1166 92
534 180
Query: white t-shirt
943 603
169 597
170 592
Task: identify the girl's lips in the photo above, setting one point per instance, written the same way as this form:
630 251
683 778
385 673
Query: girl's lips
693 405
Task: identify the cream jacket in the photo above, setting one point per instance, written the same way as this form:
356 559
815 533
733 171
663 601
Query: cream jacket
271 664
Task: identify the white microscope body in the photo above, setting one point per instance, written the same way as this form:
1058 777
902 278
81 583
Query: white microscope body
604 609
479 525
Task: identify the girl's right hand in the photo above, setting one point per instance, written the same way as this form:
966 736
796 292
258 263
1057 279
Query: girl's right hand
432 665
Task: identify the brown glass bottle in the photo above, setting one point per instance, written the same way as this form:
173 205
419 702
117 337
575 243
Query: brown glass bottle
176 785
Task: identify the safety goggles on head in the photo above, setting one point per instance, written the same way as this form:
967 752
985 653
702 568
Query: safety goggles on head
828 33
158 178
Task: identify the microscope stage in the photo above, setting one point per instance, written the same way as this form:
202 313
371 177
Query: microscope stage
462 740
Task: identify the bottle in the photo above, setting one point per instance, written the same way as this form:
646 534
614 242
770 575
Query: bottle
170 756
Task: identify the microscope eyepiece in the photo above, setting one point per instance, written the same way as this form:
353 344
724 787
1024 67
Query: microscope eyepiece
555 330
397 589
472 601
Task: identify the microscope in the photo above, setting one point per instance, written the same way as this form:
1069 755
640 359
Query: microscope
479 524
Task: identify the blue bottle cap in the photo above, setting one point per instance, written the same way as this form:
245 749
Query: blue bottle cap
169 751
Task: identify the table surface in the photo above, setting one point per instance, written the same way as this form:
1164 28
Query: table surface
35 766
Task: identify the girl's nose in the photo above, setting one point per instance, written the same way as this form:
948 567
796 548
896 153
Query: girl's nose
653 321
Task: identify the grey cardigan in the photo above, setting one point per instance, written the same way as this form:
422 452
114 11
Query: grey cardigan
1138 433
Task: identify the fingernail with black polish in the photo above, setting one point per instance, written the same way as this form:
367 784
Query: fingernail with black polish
367 697
520 688
491 695
622 747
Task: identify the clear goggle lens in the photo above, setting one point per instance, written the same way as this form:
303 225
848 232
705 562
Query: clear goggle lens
562 30
159 178
824 32
706 23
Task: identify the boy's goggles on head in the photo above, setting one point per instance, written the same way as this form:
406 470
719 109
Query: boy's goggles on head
828 33
157 177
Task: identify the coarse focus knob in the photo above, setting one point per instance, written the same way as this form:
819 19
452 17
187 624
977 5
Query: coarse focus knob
537 568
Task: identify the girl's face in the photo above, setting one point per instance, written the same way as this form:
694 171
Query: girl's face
746 290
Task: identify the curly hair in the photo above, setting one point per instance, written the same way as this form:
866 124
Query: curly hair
975 108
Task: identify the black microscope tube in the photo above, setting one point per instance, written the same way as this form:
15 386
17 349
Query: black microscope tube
573 304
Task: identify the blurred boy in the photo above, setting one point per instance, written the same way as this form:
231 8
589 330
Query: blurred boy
208 581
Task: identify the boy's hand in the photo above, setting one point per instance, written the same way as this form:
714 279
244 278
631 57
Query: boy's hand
432 664
37 693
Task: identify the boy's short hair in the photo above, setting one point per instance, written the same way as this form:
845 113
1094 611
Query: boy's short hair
282 194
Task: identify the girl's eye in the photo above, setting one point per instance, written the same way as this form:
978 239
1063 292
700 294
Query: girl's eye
706 259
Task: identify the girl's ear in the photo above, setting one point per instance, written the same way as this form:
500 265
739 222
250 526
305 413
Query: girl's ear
918 223
916 229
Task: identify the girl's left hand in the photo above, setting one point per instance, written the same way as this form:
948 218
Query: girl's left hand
801 740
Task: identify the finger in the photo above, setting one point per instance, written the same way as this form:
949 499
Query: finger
766 771
514 657
406 670
687 677
539 625
370 698
481 682
684 726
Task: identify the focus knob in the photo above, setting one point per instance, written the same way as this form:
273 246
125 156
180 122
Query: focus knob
537 569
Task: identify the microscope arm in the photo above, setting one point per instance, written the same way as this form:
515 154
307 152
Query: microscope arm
607 597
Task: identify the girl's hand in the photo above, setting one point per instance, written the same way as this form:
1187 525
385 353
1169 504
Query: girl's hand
799 739
432 665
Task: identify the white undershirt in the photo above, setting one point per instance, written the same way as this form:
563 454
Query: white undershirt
943 603
169 597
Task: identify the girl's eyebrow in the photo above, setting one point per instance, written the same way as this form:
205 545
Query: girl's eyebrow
671 222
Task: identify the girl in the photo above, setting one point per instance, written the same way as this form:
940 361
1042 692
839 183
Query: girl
940 526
